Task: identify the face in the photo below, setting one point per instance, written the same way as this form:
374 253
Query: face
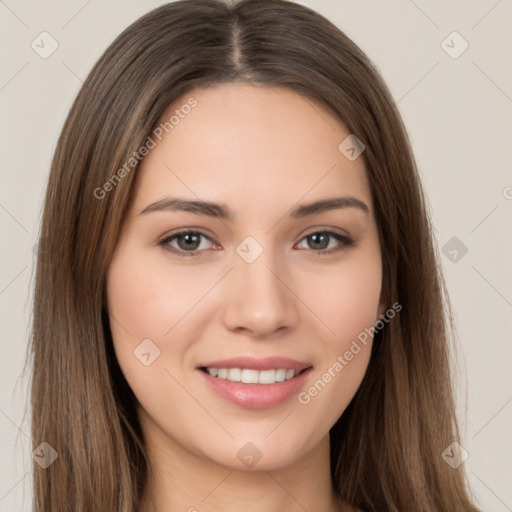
250 286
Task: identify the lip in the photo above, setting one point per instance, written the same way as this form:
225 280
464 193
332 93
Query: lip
256 396
252 363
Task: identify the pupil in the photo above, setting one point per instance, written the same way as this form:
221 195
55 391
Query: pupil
190 238
316 236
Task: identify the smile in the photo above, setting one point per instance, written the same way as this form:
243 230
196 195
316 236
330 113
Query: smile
253 383
250 376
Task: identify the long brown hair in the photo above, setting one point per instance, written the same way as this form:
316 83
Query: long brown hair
386 448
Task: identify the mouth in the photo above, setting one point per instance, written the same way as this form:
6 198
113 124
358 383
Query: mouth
255 383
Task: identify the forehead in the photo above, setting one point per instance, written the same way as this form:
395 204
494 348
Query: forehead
249 146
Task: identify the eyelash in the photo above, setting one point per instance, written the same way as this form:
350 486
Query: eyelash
345 243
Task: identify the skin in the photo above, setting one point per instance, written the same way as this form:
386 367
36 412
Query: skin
261 151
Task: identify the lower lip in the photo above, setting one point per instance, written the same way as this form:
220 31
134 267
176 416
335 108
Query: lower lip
256 396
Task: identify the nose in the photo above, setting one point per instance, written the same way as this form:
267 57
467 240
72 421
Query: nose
259 297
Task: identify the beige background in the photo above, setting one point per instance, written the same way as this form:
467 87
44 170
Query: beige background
458 113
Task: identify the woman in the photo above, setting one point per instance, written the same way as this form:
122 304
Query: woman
219 161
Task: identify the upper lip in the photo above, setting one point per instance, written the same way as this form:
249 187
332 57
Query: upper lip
252 363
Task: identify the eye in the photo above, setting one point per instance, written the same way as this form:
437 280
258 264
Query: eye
320 240
189 242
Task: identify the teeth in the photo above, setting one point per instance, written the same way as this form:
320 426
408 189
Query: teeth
234 374
280 375
267 377
249 376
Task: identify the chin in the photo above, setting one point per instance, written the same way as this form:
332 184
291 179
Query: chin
260 452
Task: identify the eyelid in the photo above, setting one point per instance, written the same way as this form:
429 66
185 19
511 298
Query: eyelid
326 229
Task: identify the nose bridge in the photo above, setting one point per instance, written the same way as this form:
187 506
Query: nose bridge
258 299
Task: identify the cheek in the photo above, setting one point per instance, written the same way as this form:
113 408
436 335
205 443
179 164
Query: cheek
150 299
346 298
145 300
357 302
347 302
139 310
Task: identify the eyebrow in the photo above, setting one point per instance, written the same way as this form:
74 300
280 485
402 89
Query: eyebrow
222 212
